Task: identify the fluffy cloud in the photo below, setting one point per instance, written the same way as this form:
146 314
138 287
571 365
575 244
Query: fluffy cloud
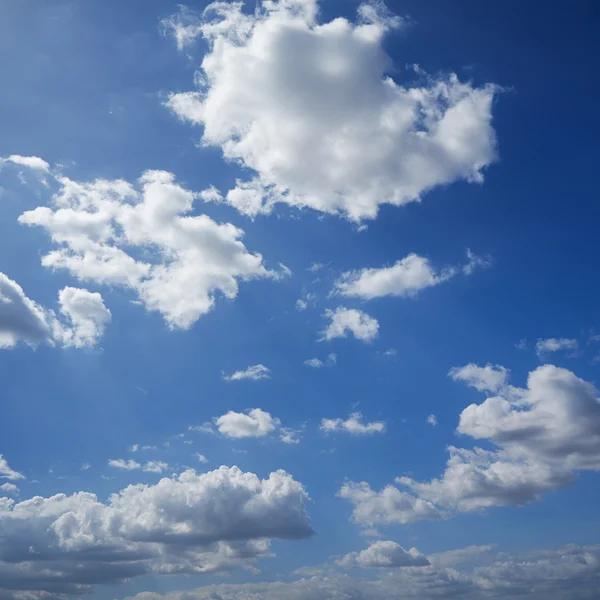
390 505
86 315
6 472
151 466
353 424
405 278
317 363
144 239
541 436
193 523
432 420
254 372
344 320
82 322
9 488
568 573
490 378
309 109
21 319
549 345
254 423
31 162
384 554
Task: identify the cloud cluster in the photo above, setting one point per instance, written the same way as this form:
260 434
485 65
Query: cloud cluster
549 345
144 239
407 277
568 573
311 112
384 554
317 363
83 317
353 425
350 320
191 523
151 466
541 436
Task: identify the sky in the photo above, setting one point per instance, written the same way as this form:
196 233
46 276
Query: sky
299 300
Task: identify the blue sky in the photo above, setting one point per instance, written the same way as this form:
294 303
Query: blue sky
402 196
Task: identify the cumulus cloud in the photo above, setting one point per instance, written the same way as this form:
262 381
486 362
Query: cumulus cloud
490 378
541 436
83 317
144 239
310 110
121 463
405 278
432 420
384 554
6 472
191 523
549 345
254 372
317 363
31 162
390 505
353 424
86 315
9 489
344 320
253 423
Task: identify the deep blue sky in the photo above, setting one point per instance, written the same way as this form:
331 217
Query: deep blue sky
83 86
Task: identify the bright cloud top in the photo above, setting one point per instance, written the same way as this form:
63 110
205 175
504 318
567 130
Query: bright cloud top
254 372
310 110
350 320
490 378
405 278
100 227
254 423
191 523
353 425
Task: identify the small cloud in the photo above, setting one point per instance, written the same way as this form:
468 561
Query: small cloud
204 428
432 420
549 345
317 363
201 458
127 465
254 372
353 425
390 352
85 466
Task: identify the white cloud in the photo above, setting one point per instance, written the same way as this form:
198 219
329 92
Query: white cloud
432 420
390 505
317 363
254 423
6 472
549 345
31 162
121 463
541 437
9 489
21 319
311 111
353 424
86 315
144 239
191 523
201 458
405 278
306 300
155 466
289 436
491 378
254 372
344 320
86 467
384 554
570 572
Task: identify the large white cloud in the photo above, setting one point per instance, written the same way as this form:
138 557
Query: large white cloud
189 523
350 320
568 573
309 109
406 277
541 436
143 238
